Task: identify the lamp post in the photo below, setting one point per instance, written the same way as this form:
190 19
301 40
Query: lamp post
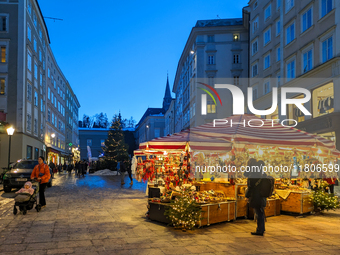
10 132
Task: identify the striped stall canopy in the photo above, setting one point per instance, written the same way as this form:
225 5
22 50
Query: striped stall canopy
247 129
179 141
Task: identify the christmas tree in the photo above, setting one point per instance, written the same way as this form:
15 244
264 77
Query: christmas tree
184 212
115 148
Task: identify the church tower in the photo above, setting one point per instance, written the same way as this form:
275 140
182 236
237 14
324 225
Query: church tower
167 96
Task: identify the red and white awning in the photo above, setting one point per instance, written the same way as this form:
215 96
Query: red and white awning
270 134
179 141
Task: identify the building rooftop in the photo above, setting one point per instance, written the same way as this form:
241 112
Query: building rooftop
219 22
151 112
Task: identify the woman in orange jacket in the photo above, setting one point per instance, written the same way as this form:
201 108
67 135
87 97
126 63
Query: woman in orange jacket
41 172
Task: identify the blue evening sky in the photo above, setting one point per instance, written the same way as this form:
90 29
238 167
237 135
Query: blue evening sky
116 54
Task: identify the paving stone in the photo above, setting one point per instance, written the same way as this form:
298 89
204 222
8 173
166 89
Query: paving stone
82 219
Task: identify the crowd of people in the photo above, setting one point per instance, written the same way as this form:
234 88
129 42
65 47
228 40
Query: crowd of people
79 167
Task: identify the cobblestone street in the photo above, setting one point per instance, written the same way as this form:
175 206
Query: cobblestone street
94 215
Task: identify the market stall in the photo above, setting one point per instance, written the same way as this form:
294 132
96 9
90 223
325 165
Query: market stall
188 158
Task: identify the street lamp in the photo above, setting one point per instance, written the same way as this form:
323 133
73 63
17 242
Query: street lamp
10 132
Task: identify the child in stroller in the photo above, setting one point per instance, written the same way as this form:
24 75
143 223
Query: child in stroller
26 198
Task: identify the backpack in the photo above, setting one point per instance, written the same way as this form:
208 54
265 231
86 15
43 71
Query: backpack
267 186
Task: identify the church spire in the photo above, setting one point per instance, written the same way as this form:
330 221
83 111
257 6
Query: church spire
167 96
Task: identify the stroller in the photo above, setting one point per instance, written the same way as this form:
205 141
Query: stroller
26 201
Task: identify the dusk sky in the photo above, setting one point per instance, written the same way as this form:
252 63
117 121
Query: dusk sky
116 54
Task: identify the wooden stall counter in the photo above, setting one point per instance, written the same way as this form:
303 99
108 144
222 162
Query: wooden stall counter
273 208
215 213
297 202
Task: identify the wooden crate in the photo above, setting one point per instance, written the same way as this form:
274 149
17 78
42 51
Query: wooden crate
214 213
273 208
241 207
297 202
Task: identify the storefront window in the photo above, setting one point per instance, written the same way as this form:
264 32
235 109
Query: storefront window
295 113
274 115
323 100
36 153
29 152
330 136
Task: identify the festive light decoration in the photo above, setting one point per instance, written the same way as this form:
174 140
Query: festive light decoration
184 211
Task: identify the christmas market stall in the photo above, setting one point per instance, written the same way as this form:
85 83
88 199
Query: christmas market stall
206 164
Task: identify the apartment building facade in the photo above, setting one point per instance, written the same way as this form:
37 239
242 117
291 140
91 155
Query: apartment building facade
25 78
215 52
296 44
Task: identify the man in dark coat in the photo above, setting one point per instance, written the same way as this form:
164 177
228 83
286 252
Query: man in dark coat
256 201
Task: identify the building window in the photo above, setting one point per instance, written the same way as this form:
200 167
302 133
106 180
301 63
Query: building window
290 33
211 60
49 115
266 87
211 38
267 36
211 107
35 126
35 45
55 121
278 4
48 73
2 86
40 56
268 12
255 70
102 143
237 58
278 53
307 20
3 23
267 61
323 100
36 153
307 61
29 122
35 98
236 80
3 54
254 47
52 118
89 142
278 79
255 93
35 19
326 7
289 5
35 70
48 93
29 92
291 70
55 102
29 7
327 49
29 61
278 27
29 152
255 24
157 132
29 33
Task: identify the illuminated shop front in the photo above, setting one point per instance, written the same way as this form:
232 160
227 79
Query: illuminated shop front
325 120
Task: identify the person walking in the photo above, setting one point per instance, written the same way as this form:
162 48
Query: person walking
41 173
124 167
256 201
60 167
